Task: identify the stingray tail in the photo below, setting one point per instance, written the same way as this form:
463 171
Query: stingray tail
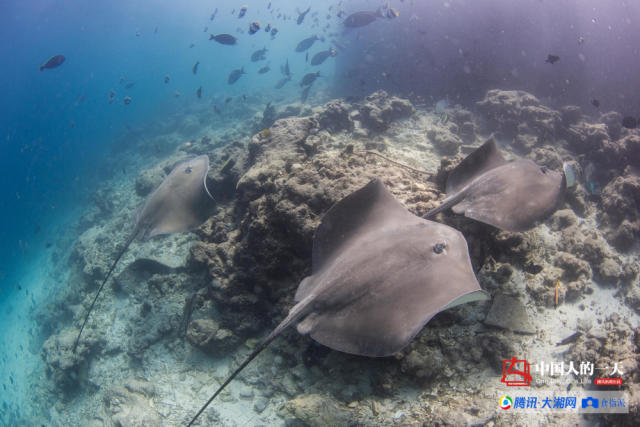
296 312
115 262
446 204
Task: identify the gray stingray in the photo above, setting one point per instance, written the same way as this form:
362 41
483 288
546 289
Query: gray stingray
379 274
512 196
182 202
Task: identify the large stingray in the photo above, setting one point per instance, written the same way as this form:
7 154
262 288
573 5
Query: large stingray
513 196
182 202
379 274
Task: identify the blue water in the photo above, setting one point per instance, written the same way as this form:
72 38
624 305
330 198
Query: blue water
57 125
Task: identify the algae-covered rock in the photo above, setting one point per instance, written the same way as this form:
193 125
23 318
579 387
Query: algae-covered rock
207 334
315 410
66 368
130 405
379 110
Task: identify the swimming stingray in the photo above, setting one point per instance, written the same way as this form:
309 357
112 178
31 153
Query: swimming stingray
513 196
182 202
379 274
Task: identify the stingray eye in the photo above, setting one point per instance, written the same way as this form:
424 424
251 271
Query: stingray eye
187 170
543 169
439 247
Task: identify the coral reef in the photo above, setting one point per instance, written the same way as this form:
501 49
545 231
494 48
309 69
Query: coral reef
191 301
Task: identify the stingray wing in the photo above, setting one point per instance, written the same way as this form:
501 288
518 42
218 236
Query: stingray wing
182 202
370 208
514 196
481 160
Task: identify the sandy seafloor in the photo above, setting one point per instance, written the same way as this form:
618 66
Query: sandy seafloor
139 368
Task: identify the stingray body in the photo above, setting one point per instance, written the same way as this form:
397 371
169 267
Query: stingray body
182 202
380 274
512 196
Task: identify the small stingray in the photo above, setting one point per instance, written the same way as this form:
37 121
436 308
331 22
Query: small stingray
512 196
380 274
182 202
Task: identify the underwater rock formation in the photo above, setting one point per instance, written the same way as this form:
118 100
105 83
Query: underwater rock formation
64 367
131 405
379 109
621 210
514 112
238 279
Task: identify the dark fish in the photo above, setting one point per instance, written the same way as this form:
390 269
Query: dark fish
53 62
217 110
126 100
129 85
206 29
309 78
267 28
47 245
155 30
254 27
595 103
264 69
121 79
223 38
552 59
213 15
274 31
284 69
191 45
306 43
199 92
244 97
166 78
194 70
392 13
242 12
283 81
11 379
305 94
306 57
571 338
258 55
112 94
320 57
18 288
629 122
235 75
301 15
227 100
360 19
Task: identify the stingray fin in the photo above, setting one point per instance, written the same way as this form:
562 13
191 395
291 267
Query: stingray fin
482 159
371 207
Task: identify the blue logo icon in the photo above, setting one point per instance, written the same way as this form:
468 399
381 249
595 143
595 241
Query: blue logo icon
590 401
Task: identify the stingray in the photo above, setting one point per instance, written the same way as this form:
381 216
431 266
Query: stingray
513 196
379 274
182 202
